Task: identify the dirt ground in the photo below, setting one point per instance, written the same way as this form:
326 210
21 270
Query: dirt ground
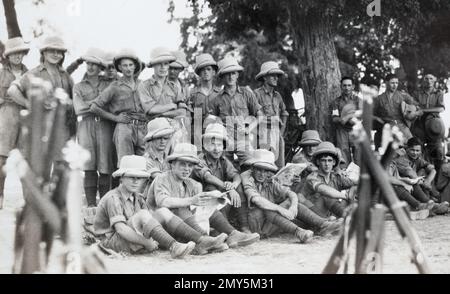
280 255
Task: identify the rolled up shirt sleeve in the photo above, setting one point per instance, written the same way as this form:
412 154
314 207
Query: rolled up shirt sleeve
115 211
162 190
145 97
105 97
249 188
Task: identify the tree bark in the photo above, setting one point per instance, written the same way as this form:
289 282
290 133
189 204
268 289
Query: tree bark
409 63
11 19
319 68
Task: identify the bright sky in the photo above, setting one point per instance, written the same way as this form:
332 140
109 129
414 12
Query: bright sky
108 24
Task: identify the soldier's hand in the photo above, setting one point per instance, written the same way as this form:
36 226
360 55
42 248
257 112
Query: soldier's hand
294 210
123 118
201 199
151 245
235 199
229 186
286 213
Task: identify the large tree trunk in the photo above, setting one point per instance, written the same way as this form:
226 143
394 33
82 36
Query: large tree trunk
319 68
11 19
408 61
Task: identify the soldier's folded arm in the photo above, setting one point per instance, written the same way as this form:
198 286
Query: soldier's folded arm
16 94
99 104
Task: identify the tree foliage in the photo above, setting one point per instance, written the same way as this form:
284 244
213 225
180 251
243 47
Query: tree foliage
413 31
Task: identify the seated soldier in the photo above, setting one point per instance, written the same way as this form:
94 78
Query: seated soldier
403 187
128 225
310 140
273 207
443 179
216 172
324 188
411 165
175 190
159 133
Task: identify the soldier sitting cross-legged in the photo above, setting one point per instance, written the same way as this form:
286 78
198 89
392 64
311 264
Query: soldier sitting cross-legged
128 225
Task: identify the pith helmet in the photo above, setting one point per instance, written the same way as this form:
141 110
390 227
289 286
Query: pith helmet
180 61
160 55
15 45
128 54
264 159
132 166
158 127
94 55
203 60
269 68
185 152
53 42
228 64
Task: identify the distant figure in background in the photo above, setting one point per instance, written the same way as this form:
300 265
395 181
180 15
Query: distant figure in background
387 108
15 50
430 128
342 110
175 68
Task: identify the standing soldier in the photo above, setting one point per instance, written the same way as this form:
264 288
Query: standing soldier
271 133
175 68
387 108
342 108
429 128
50 69
202 95
161 97
94 133
120 103
15 50
237 107
110 72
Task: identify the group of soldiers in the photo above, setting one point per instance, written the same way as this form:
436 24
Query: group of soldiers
163 154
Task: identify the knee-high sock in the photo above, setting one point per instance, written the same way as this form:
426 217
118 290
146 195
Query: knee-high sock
193 224
104 184
2 180
220 223
404 195
179 229
90 187
152 228
280 221
419 194
309 217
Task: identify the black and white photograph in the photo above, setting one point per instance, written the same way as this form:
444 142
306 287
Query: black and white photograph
222 138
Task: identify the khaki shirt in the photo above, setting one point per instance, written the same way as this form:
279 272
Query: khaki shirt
62 80
151 93
119 97
84 93
338 181
339 103
156 163
270 190
198 100
271 102
408 167
116 206
222 168
237 107
6 78
390 109
166 185
430 100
